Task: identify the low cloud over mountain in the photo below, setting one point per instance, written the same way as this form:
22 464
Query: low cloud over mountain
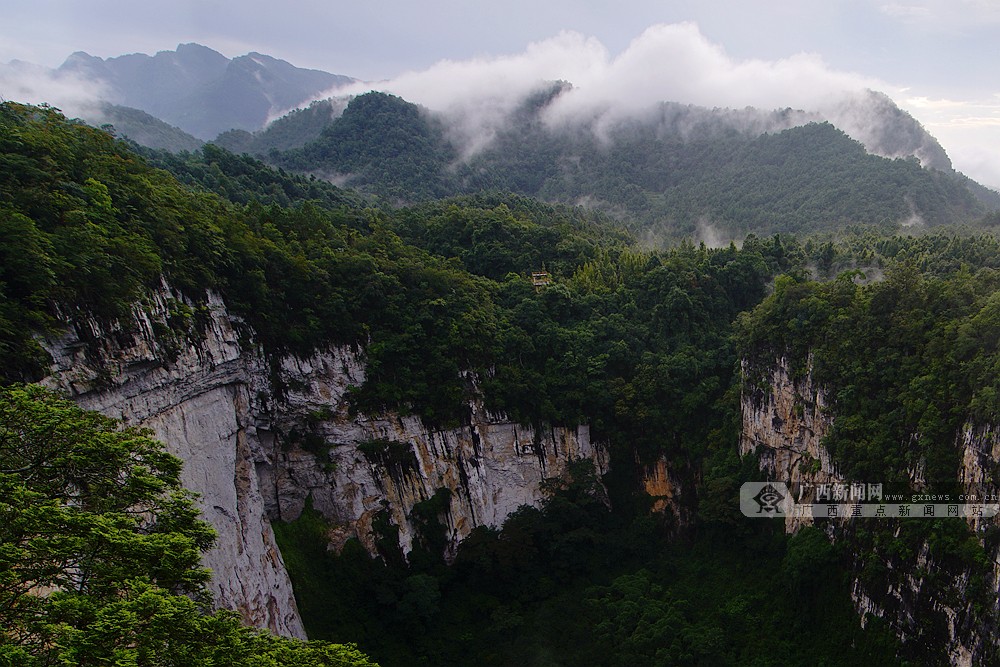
673 63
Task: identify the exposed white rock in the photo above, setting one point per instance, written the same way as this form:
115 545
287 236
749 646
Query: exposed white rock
210 399
786 422
785 419
199 406
491 466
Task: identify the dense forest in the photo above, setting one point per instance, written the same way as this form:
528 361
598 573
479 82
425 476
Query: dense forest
641 343
667 177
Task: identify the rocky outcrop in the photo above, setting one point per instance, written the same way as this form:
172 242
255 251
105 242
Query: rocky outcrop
784 419
194 389
260 436
389 463
784 422
666 489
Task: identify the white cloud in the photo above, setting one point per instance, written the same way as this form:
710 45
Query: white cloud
482 92
667 62
970 129
677 63
34 84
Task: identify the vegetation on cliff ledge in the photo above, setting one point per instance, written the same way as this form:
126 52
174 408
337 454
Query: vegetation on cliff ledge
100 551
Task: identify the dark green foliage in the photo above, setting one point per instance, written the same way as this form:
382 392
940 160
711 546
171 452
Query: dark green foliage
689 173
570 584
81 220
293 130
907 359
242 179
100 551
429 517
805 179
385 144
389 453
90 227
498 234
908 363
146 130
638 344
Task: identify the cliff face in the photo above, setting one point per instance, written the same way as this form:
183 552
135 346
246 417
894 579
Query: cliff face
388 463
925 601
197 397
258 437
786 421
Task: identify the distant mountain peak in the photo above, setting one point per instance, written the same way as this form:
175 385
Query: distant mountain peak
194 47
201 91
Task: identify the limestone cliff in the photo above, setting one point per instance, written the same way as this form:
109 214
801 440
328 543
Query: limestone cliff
258 436
369 464
194 389
784 420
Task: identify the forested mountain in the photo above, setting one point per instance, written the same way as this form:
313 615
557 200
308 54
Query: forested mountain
200 90
385 145
293 130
490 302
676 173
671 171
143 129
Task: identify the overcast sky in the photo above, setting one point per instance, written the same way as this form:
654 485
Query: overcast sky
938 59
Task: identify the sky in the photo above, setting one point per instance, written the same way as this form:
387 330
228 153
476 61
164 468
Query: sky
938 59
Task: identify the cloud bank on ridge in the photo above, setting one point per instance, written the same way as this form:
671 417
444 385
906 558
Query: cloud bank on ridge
667 62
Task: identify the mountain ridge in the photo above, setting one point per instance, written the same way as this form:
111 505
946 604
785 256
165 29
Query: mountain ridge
667 173
641 165
202 91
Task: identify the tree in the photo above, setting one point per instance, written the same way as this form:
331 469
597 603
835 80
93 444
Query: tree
100 550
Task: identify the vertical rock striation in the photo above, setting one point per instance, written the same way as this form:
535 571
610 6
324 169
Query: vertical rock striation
367 464
784 422
784 419
259 436
193 392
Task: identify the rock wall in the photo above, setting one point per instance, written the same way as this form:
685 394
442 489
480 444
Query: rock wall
258 437
667 490
194 391
784 419
370 464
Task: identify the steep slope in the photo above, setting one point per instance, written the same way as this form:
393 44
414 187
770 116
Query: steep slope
672 172
893 384
143 129
200 90
256 446
264 413
386 381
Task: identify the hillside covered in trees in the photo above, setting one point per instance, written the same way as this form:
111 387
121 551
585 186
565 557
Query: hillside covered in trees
641 344
677 172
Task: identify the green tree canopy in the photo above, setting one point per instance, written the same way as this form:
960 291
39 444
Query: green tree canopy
100 550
